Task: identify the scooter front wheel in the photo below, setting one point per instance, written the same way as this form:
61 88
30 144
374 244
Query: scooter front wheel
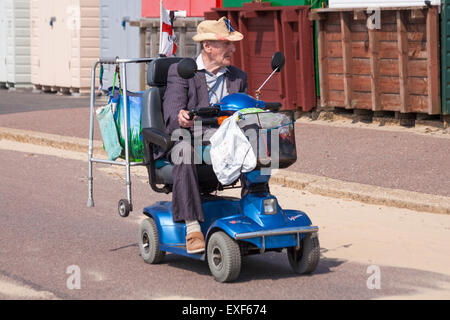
224 257
305 259
149 242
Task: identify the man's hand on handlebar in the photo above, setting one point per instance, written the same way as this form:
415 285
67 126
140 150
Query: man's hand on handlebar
184 119
208 115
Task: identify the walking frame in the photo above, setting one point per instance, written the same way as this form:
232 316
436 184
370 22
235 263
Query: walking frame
125 205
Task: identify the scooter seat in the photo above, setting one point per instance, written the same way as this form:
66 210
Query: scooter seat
207 179
161 163
153 132
163 172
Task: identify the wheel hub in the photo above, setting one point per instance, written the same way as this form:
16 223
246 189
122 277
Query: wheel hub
217 258
145 242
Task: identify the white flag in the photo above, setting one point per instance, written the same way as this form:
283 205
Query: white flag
167 45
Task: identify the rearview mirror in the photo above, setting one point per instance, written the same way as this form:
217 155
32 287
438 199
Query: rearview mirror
187 68
278 61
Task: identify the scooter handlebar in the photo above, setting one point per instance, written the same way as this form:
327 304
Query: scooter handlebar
210 121
204 112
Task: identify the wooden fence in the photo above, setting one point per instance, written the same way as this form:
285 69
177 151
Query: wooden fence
381 61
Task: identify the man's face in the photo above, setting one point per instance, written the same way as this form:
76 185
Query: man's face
220 52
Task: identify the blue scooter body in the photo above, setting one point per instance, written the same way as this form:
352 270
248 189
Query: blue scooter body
242 219
233 216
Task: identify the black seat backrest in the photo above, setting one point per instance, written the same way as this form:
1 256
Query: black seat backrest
152 113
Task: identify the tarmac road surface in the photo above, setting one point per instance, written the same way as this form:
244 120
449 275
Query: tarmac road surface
47 234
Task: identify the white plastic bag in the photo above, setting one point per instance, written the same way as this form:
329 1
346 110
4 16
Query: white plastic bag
231 152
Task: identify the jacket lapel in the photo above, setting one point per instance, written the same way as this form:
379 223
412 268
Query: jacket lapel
202 90
232 84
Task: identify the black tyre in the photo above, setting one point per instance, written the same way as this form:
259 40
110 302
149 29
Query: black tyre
149 242
306 259
224 257
124 208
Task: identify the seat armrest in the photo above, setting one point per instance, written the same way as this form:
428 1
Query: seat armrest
157 137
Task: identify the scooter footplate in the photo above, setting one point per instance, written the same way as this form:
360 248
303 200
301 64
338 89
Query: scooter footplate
181 250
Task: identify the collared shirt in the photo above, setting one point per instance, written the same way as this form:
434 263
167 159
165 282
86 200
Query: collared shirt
217 87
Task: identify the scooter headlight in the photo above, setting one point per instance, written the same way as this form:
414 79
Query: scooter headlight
270 206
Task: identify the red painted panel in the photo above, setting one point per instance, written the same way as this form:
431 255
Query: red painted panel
193 8
150 8
198 7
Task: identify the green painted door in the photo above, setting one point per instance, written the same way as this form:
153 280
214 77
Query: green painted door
445 56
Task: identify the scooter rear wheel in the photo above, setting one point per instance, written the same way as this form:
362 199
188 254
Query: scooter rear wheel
306 259
224 257
149 242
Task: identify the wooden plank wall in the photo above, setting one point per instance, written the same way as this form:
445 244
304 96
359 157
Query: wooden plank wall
394 68
62 55
89 42
269 29
22 76
184 28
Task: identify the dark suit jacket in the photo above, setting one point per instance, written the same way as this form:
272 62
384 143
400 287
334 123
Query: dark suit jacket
193 93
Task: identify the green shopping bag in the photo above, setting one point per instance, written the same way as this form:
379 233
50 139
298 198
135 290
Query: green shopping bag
108 130
135 141
134 104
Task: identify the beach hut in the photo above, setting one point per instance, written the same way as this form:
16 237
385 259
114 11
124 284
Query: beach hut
15 43
65 42
118 39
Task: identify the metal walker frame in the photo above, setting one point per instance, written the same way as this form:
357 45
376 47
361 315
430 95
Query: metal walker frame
125 205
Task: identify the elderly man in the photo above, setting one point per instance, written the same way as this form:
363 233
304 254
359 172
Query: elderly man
215 79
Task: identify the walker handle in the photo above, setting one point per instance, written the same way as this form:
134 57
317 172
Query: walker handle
108 60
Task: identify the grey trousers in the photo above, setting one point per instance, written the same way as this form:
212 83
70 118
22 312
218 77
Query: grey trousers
186 198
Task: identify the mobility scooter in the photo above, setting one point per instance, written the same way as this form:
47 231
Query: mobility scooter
233 227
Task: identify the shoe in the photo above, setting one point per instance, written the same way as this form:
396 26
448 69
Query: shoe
195 242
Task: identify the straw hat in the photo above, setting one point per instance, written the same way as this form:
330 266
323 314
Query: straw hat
217 30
